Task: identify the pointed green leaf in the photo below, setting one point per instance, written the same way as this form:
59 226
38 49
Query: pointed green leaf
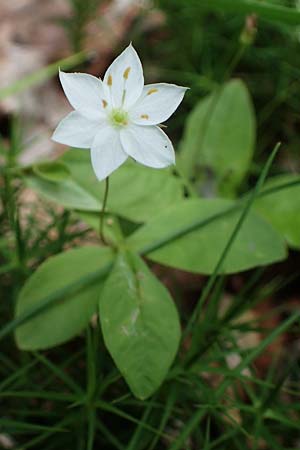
199 250
65 192
70 313
140 324
52 171
219 138
136 192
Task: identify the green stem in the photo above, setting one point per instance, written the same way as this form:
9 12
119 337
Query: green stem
234 62
91 428
102 212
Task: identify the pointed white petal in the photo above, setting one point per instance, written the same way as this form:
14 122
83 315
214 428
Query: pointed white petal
148 145
107 153
157 103
76 131
85 93
125 74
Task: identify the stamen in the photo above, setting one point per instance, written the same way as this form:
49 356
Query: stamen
104 103
109 80
123 96
118 118
152 91
126 73
144 116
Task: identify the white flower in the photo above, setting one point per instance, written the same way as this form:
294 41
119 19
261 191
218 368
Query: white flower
117 117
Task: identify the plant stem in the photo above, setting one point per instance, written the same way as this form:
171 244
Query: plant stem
234 62
102 212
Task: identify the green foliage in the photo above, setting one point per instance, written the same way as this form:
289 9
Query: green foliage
281 208
52 171
219 139
136 192
64 191
61 306
264 9
211 222
232 384
140 324
128 197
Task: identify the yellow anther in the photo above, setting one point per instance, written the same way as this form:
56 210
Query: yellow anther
126 73
152 91
144 116
109 80
104 103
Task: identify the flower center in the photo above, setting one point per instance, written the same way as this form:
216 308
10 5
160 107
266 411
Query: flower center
119 118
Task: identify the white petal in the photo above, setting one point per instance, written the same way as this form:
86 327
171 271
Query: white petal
76 131
85 93
125 74
107 153
148 145
157 103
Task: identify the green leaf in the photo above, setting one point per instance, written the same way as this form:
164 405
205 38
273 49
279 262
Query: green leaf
281 209
69 315
211 223
65 192
136 192
52 171
140 324
219 138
